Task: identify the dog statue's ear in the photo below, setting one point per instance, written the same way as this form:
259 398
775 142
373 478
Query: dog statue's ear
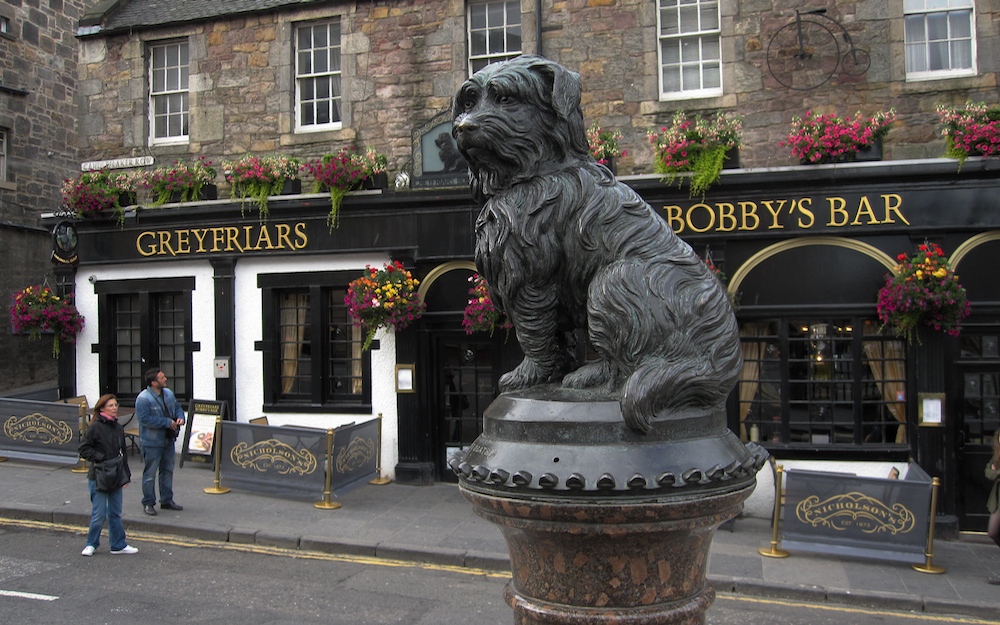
566 90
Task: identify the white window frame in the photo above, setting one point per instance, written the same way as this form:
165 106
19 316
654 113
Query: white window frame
498 24
926 8
305 73
700 40
170 85
4 140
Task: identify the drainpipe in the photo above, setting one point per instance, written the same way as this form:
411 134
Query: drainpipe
538 27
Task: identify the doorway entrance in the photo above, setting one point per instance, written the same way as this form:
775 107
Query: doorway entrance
978 416
467 371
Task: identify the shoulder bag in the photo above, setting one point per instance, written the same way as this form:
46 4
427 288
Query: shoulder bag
112 474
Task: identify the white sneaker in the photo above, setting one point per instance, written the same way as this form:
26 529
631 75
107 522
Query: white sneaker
88 551
127 549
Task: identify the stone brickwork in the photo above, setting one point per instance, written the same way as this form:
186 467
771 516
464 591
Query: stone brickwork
404 60
38 111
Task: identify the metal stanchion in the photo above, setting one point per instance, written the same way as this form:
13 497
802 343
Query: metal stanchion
327 504
928 566
379 480
82 467
774 552
216 446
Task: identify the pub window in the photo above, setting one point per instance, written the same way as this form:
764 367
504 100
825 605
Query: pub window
494 32
940 38
143 327
318 91
316 360
168 92
831 382
690 47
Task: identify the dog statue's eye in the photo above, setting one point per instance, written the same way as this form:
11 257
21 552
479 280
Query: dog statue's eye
468 104
506 99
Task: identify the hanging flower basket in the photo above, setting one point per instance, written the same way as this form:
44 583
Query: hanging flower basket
383 298
923 291
695 145
36 309
481 315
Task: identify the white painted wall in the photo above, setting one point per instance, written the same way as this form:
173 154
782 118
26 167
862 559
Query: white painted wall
247 362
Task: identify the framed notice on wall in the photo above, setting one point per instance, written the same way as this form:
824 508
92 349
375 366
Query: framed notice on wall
199 431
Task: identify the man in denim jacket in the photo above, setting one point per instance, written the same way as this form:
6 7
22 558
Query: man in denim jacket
160 420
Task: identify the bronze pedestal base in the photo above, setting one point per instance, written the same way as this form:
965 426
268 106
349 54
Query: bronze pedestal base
605 526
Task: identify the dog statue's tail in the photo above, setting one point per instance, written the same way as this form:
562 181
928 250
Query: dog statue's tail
679 337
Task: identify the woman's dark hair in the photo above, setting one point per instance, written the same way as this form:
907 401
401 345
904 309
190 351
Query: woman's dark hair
102 402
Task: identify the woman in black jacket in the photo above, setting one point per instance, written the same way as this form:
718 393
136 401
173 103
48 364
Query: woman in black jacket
104 440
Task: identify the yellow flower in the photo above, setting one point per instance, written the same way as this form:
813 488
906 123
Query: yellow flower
940 273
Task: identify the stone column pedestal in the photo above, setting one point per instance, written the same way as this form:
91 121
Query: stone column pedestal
605 526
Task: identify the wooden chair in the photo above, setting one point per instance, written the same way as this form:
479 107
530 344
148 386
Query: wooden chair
131 426
259 421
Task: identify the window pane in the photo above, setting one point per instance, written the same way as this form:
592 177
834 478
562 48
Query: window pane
689 19
712 76
671 52
915 29
669 23
477 16
961 24
937 55
937 26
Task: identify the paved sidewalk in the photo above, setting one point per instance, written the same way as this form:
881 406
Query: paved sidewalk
435 524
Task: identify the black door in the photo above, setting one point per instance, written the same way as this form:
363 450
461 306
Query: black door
978 388
466 384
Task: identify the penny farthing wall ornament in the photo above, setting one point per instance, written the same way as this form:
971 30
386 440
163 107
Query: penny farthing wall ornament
806 53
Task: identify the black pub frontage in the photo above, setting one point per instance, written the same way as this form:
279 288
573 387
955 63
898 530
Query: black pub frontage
251 312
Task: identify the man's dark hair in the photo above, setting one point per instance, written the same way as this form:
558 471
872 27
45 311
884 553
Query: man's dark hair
151 374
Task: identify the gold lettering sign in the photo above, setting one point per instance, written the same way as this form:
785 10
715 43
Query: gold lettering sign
801 213
855 510
37 428
261 237
355 455
273 455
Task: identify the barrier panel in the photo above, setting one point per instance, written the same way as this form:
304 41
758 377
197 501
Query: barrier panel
286 461
40 430
849 515
355 455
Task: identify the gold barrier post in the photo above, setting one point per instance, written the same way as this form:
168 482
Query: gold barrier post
928 566
216 447
327 504
774 552
379 480
82 467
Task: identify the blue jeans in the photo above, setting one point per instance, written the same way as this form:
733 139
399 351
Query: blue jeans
158 460
109 506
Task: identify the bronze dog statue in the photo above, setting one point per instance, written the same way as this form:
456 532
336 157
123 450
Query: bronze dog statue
563 245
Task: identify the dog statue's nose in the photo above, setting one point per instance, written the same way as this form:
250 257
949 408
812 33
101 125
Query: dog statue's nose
465 123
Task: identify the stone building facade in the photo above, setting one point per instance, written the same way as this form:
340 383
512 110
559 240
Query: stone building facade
38 62
402 62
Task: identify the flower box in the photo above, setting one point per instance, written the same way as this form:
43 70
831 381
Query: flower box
819 139
291 187
604 146
182 182
261 177
697 145
972 131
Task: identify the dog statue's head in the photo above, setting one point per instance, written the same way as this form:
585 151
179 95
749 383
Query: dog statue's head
519 119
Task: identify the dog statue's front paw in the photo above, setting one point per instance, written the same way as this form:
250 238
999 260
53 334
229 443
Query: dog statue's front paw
526 374
590 375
